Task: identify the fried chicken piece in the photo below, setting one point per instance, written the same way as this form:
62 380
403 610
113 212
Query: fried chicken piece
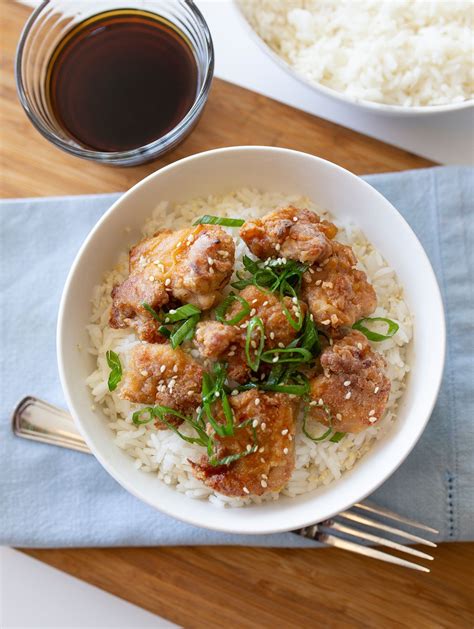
353 387
270 467
190 265
290 233
158 374
227 342
336 292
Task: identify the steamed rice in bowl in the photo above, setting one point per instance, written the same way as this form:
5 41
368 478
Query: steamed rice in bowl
398 53
163 453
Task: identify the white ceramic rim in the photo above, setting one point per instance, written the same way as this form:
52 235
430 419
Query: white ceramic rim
380 108
188 516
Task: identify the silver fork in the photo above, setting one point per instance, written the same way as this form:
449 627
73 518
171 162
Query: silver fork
39 421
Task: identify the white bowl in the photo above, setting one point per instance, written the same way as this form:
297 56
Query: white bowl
331 187
368 105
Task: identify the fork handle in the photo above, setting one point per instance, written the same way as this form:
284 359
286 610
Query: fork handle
39 421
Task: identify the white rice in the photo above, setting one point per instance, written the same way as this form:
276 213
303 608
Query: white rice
399 52
162 452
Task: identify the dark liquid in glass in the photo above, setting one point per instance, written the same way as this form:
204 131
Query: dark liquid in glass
121 79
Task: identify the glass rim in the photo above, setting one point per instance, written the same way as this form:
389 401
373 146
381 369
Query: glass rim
160 143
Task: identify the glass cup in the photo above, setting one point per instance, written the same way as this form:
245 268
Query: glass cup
48 25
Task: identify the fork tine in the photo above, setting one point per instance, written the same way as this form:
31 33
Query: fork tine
367 551
337 526
384 527
366 506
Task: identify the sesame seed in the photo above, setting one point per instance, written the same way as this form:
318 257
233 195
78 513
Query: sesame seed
175 368
263 426
326 322
272 335
218 394
255 423
359 345
190 392
257 401
230 354
254 301
262 449
162 368
313 403
285 431
290 438
262 460
144 372
282 345
253 312
245 490
275 360
264 476
152 278
235 392
348 395
223 253
311 270
285 450
210 261
263 483
211 270
295 219
278 246
320 401
372 420
172 311
178 244
265 303
248 447
319 282
311 318
372 412
167 281
377 389
294 300
190 238
338 416
347 383
334 319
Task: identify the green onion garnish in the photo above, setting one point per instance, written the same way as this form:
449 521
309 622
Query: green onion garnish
375 336
290 355
326 434
181 313
219 220
184 332
253 358
224 306
113 361
153 312
337 436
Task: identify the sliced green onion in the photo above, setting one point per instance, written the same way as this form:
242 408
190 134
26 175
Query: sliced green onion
295 323
375 336
185 332
253 358
326 434
337 436
153 312
181 313
219 220
160 412
224 306
290 355
290 389
164 331
310 337
115 375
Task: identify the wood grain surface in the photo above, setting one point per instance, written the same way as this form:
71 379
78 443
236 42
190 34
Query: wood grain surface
237 587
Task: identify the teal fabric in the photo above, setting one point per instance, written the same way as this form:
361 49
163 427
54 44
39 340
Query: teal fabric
53 497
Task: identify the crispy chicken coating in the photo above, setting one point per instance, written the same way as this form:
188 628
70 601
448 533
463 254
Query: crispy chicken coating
190 265
227 342
353 387
336 292
290 233
158 374
270 467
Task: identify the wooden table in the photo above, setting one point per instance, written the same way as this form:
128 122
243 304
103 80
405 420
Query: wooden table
237 587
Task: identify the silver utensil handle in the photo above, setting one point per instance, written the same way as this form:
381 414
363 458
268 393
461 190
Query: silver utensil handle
39 421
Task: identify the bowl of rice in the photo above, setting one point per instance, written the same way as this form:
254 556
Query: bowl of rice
247 182
400 57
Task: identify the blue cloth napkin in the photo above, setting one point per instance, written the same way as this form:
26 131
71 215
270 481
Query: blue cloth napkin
53 497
